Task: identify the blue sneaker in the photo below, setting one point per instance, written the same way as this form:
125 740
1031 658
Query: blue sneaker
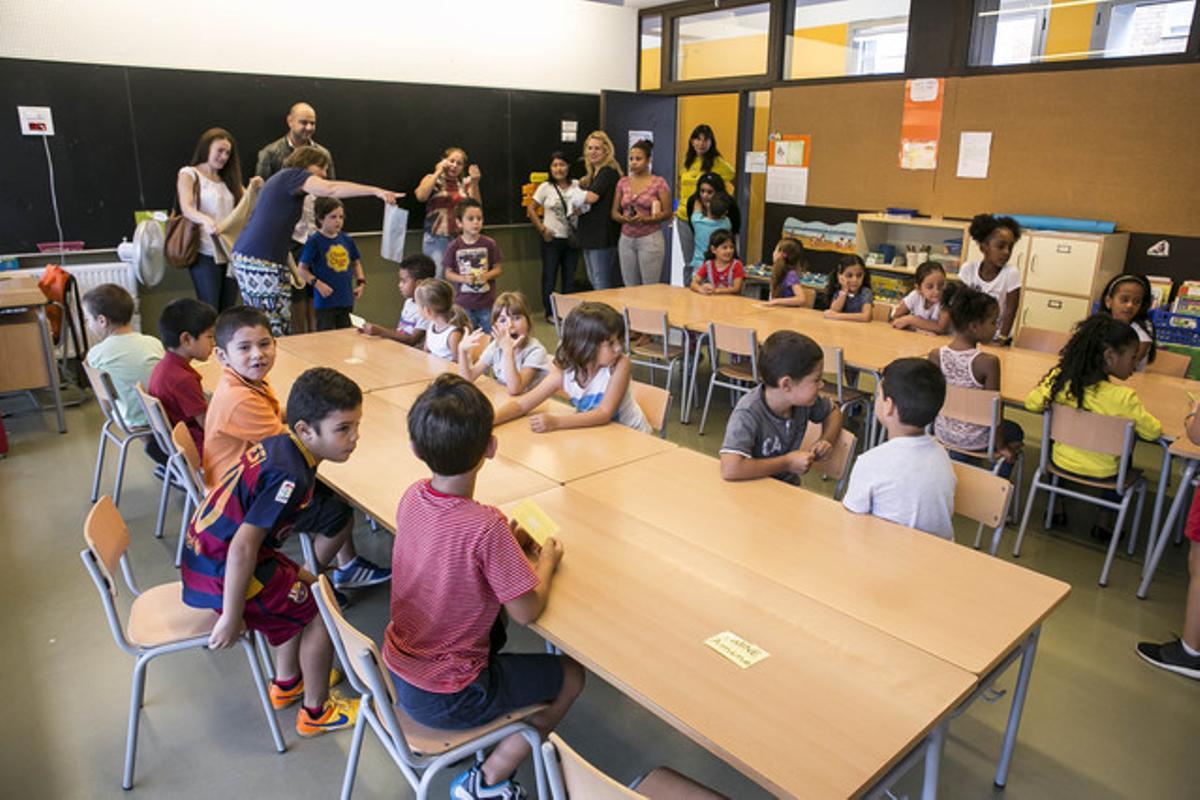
359 574
470 786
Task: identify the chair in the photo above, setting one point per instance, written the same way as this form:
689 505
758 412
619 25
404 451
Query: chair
984 497
837 466
1167 363
982 407
1041 340
655 403
571 777
882 312
419 752
659 353
159 622
1099 433
847 397
115 429
562 305
734 376
161 428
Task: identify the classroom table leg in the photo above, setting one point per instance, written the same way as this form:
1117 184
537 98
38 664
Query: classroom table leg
51 368
933 762
1164 480
1163 535
683 381
1029 650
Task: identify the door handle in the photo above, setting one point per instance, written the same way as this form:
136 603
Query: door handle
1033 263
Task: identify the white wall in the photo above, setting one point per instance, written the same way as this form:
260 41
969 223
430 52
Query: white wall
552 45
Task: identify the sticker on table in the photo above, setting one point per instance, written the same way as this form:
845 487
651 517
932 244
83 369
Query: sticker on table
352 360
736 649
357 321
536 522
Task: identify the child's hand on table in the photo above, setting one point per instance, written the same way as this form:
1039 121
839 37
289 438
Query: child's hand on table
543 423
370 329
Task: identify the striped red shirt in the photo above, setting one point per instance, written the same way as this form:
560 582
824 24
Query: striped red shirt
454 563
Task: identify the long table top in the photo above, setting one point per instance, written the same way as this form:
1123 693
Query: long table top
834 705
372 362
283 374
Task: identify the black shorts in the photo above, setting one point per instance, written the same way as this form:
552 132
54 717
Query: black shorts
509 682
325 515
329 319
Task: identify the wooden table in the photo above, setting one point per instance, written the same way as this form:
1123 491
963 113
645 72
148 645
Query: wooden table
25 330
835 706
283 374
372 362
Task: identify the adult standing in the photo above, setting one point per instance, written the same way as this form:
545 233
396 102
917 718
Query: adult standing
208 189
302 126
702 157
558 200
597 231
261 251
641 203
441 191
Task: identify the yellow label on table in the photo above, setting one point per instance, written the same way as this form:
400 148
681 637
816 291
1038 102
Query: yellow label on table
536 522
736 649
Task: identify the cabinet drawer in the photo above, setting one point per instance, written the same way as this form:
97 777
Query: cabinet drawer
1052 312
1061 265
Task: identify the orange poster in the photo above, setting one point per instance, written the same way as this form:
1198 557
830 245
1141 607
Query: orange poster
921 126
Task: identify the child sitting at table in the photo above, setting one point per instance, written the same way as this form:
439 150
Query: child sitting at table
186 329
1127 298
411 328
849 291
722 272
515 358
448 323
908 479
923 309
768 424
459 566
331 265
590 369
787 263
232 562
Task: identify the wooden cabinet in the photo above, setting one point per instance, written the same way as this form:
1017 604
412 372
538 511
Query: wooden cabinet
1053 312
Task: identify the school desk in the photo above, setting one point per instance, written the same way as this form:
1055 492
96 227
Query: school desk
371 361
383 466
283 374
976 612
832 711
561 455
25 331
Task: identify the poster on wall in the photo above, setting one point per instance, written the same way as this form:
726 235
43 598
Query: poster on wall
921 124
815 235
787 168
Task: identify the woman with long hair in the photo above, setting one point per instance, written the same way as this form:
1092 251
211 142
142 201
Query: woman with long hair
702 157
597 230
451 182
554 212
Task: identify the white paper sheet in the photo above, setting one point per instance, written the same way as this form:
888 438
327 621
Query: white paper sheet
395 226
787 185
756 161
974 153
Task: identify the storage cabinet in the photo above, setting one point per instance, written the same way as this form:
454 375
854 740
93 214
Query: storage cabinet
1050 311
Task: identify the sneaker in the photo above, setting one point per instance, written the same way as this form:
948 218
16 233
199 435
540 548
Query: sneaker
470 786
1170 656
359 574
339 713
282 698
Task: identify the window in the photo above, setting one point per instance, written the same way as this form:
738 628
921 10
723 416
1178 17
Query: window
650 48
830 38
1039 31
722 44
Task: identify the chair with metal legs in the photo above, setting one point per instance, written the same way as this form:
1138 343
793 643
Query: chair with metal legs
161 428
114 430
738 377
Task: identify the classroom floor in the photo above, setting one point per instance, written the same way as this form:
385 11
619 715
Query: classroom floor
1098 722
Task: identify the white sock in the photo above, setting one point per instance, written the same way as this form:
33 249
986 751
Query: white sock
1188 650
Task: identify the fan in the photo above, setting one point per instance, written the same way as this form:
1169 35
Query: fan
145 252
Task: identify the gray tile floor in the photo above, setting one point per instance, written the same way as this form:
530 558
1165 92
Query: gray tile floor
1098 722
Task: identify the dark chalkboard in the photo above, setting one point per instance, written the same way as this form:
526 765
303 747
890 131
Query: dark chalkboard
123 132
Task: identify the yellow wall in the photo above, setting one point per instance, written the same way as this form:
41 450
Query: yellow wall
1069 31
819 52
721 58
718 111
753 221
651 69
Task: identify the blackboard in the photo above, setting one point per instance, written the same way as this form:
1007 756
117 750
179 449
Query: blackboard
123 132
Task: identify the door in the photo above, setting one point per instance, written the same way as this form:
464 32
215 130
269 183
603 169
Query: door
1052 312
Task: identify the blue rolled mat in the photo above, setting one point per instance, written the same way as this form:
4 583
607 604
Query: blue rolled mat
1044 223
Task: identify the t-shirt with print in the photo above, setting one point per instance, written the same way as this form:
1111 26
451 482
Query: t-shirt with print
454 563
411 318
440 219
754 431
908 480
129 359
330 260
532 356
721 278
273 481
269 229
483 254
551 197
855 302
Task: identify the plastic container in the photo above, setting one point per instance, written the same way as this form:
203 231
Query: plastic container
1173 328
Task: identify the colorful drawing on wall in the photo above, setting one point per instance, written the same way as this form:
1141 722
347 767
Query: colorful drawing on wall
789 150
921 125
822 235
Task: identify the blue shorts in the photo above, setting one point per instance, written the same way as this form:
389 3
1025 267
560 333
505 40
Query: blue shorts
509 682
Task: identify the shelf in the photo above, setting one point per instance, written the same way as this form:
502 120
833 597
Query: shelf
916 222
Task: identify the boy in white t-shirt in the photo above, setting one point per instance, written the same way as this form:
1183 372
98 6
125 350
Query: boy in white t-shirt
411 328
908 479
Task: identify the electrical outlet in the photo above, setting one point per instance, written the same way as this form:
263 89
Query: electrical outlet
36 120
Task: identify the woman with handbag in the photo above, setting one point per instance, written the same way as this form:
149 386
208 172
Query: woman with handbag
207 191
555 213
260 254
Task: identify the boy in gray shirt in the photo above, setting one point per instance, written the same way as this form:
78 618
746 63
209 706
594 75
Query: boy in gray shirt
767 426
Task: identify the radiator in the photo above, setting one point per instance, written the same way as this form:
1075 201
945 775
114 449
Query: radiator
92 275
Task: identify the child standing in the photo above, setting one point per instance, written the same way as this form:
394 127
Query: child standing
722 272
708 218
1127 298
472 264
590 369
515 358
787 262
127 356
186 330
908 479
993 274
459 563
447 323
922 308
767 426
232 562
411 328
849 290
331 265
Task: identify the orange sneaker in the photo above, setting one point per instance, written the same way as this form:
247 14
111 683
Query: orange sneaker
339 712
282 698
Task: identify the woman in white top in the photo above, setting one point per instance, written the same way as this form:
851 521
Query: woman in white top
993 275
555 212
217 170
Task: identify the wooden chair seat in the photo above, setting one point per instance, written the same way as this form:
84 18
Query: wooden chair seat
737 372
426 741
1132 476
158 616
664 783
848 395
655 350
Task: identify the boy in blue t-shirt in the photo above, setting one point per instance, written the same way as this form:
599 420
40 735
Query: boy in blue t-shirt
330 264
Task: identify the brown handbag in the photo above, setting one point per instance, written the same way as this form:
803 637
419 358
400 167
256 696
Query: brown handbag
182 245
